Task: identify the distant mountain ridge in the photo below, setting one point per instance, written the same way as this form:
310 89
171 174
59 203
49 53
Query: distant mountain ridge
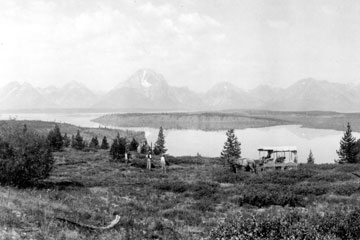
146 89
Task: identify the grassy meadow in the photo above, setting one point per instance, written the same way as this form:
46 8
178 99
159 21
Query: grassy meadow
198 198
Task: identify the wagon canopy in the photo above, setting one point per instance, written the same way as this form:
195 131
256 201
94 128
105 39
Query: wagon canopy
292 149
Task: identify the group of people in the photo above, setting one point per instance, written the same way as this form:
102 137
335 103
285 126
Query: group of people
162 162
148 162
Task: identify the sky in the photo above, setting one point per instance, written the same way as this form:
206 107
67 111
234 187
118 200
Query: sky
191 43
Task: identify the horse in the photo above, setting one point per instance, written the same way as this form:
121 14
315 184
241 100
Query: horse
243 163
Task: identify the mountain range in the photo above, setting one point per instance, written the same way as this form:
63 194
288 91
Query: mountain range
148 90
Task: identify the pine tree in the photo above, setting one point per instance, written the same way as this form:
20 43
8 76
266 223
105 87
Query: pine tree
66 140
159 147
55 139
347 149
118 148
104 143
133 145
145 148
310 159
231 146
72 143
94 143
78 143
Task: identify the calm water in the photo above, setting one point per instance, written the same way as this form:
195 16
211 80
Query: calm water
323 143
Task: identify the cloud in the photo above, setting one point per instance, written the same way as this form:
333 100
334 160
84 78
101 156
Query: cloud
41 42
162 10
328 10
197 21
278 24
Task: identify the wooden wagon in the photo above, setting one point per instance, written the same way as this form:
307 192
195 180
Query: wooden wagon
282 157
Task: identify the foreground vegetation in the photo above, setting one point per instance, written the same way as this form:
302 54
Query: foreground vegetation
53 187
198 198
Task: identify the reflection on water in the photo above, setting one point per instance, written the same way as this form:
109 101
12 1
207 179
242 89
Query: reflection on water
323 143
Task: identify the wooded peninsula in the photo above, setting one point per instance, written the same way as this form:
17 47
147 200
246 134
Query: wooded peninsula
212 121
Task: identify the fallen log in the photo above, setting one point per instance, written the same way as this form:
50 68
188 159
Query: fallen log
91 227
356 174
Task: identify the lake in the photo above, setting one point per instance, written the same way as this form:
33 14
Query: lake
323 143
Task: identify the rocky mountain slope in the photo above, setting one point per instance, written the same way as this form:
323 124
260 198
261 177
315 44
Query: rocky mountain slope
148 90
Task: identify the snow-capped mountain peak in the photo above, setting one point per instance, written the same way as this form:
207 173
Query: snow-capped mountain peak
144 81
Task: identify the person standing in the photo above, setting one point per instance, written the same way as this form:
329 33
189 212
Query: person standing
148 165
163 163
126 158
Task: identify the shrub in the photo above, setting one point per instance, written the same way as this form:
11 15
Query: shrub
205 205
288 177
307 189
331 177
226 176
140 163
205 190
342 223
268 197
293 224
184 160
24 157
348 168
176 186
324 166
346 189
189 217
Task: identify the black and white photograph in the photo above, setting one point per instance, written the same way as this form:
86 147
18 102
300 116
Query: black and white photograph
182 119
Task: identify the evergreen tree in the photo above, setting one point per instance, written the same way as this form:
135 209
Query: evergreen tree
118 148
231 146
55 139
94 143
133 145
104 143
159 147
145 148
347 149
66 140
78 143
310 159
357 151
72 143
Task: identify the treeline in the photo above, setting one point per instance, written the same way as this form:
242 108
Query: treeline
224 120
56 141
122 146
202 121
